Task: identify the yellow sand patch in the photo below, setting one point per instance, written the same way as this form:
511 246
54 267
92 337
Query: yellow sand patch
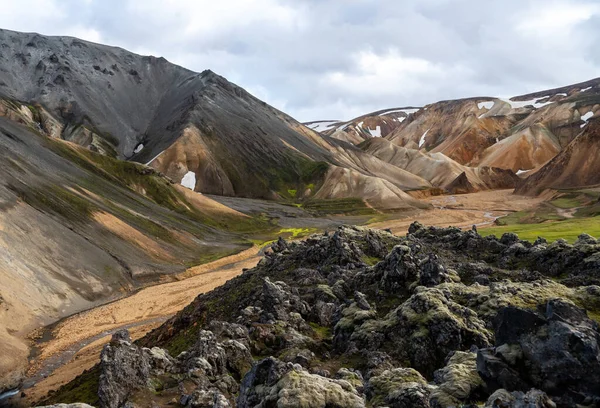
128 233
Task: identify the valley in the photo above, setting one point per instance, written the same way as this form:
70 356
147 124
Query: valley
74 344
196 238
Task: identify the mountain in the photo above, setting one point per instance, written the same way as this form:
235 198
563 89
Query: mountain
355 131
575 166
521 133
78 228
197 128
362 318
440 170
472 144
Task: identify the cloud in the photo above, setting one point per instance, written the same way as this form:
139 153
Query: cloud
340 58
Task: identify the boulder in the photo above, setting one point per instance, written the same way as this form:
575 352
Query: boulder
124 368
458 382
274 383
532 399
398 388
554 351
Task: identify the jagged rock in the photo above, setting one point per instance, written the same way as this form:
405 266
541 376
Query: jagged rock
399 388
361 301
216 358
302 357
554 352
433 272
354 377
278 302
429 325
207 399
160 360
585 239
124 368
458 382
398 270
273 383
533 399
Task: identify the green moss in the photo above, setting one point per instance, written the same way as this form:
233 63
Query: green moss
83 389
370 260
292 193
321 332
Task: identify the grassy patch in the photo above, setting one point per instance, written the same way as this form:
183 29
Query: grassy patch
539 215
568 229
57 200
342 206
84 389
370 260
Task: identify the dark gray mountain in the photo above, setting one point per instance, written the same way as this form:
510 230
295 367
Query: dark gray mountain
180 122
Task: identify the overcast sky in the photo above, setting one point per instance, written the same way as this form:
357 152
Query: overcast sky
337 59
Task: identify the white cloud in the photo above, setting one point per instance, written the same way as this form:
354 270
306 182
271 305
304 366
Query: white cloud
337 58
556 17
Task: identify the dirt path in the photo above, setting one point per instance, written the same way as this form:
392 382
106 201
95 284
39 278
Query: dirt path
480 209
76 342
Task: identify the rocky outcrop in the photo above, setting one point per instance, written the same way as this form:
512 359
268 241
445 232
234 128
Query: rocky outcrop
518 399
273 383
124 368
555 351
360 318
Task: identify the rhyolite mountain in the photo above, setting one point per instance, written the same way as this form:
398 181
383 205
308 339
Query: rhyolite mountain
522 134
181 122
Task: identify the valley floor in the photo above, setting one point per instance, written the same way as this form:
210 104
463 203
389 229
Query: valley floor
74 344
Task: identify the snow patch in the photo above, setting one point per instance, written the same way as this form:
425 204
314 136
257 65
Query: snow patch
519 172
322 126
587 89
487 105
586 117
189 180
522 104
422 141
138 148
497 140
406 111
375 132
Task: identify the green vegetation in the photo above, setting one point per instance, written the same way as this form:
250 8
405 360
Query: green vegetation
568 229
57 200
342 206
83 389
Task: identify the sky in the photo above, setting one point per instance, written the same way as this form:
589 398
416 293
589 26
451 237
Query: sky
338 59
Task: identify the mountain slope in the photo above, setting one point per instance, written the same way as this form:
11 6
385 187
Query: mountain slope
77 227
521 133
200 127
438 169
576 166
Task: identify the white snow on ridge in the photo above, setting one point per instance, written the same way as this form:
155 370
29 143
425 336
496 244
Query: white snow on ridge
587 89
422 141
487 105
322 126
375 132
138 148
407 111
522 104
189 180
586 117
